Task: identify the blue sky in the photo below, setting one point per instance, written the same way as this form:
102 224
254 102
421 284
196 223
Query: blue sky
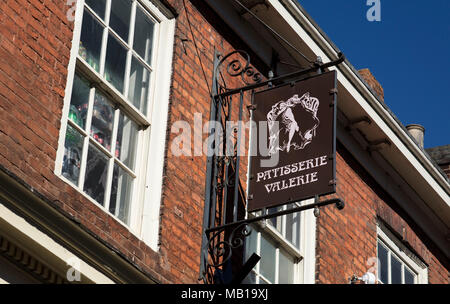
408 52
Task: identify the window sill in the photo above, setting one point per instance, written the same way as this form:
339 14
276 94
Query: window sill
91 200
280 240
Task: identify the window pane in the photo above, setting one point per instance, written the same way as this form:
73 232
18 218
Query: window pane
409 276
143 37
73 149
79 101
396 270
382 263
96 174
116 58
267 262
250 244
91 40
293 227
286 271
119 204
102 121
120 17
139 84
275 221
126 141
98 6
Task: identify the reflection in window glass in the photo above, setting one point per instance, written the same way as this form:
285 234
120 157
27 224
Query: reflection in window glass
102 121
286 272
396 270
96 173
122 52
119 204
73 149
392 269
139 84
293 227
383 264
409 277
91 40
275 221
120 17
98 6
126 141
267 262
79 101
143 39
116 57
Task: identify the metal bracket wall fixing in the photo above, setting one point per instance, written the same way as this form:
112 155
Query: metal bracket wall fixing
224 231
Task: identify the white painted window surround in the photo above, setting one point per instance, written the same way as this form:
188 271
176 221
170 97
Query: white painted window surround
150 120
396 264
287 246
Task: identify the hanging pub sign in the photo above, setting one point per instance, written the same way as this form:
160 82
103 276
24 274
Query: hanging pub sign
293 142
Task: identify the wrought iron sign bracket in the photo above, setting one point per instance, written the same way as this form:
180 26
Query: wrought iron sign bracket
224 230
291 76
221 249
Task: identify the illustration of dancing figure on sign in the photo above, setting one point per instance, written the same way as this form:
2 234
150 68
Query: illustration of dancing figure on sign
297 123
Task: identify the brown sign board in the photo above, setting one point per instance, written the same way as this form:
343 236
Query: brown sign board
293 142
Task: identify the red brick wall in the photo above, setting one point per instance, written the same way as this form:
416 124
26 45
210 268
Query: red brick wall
347 239
35 44
184 183
446 169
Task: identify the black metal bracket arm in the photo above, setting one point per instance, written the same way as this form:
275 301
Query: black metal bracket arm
340 204
294 75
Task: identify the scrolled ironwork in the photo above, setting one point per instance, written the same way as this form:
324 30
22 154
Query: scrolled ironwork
234 68
239 67
237 241
222 250
255 76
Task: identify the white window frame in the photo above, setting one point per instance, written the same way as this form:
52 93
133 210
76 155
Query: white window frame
305 256
403 254
279 244
144 213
